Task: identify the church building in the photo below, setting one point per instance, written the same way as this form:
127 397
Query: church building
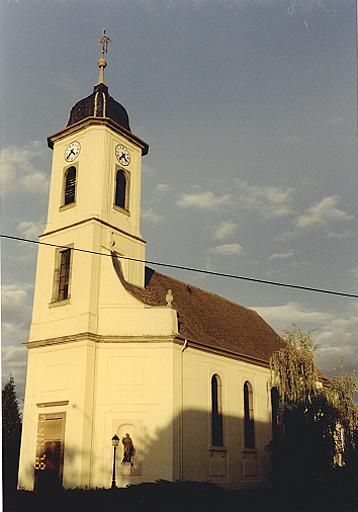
120 354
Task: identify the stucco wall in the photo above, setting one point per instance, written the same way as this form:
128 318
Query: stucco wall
159 392
226 465
61 373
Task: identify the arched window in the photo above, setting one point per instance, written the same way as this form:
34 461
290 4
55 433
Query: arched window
120 198
249 426
70 185
217 438
274 412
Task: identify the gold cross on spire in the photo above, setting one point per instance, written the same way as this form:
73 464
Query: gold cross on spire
102 61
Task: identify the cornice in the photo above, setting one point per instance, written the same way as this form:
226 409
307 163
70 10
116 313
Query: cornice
90 219
102 339
97 338
104 121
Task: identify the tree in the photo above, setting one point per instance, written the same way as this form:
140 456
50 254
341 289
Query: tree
315 417
11 433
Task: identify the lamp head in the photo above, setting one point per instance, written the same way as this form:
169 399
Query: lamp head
115 440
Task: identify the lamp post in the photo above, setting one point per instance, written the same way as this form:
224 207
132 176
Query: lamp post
115 441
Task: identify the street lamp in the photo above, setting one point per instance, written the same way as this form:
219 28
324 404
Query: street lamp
115 441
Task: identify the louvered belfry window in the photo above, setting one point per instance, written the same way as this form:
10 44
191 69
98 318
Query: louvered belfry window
70 185
217 437
121 190
64 274
249 426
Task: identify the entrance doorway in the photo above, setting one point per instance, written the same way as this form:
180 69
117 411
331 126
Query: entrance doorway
50 451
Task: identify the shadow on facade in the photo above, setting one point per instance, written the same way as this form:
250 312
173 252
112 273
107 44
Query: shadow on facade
200 472
182 450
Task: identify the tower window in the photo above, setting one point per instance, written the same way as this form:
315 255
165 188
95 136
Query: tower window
64 275
121 192
217 437
70 185
249 427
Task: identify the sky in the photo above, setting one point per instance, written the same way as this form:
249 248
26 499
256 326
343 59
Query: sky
249 108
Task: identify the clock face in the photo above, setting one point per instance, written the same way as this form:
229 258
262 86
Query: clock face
72 151
122 154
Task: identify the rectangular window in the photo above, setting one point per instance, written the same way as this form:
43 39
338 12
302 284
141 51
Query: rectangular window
62 277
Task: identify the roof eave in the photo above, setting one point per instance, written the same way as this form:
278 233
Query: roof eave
87 121
222 351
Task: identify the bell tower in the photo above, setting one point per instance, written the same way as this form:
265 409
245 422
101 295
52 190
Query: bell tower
94 208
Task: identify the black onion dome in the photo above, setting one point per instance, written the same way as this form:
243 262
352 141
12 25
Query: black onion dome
99 104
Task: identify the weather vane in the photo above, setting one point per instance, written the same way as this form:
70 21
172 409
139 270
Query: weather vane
104 42
102 61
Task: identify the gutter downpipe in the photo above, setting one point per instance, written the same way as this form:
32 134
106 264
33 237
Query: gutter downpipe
181 410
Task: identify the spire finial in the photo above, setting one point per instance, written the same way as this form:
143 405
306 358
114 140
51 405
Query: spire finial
169 298
102 61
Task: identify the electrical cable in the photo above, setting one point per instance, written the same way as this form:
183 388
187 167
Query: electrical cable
192 269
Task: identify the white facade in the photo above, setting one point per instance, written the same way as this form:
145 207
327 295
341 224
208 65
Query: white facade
102 362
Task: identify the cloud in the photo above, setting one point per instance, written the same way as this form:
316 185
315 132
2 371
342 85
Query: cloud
227 250
270 201
339 340
203 200
147 170
15 356
283 316
282 255
163 187
354 272
36 182
12 294
14 360
150 215
321 213
16 316
332 121
18 171
13 297
293 139
224 230
30 229
341 235
336 335
16 311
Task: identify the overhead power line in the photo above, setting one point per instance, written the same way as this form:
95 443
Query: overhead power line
192 269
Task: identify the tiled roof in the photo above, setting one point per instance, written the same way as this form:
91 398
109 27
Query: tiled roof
208 319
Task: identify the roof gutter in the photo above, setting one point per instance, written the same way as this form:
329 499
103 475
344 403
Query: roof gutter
181 433
224 352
